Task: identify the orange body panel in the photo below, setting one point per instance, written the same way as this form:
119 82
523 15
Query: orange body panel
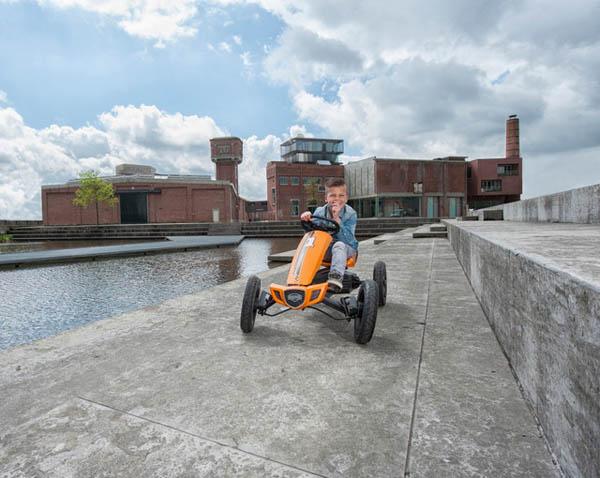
308 259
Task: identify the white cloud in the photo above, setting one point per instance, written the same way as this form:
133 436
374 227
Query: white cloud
423 80
246 59
224 46
160 20
172 143
237 39
29 158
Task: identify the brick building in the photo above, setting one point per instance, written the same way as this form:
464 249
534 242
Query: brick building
388 187
493 181
297 183
147 197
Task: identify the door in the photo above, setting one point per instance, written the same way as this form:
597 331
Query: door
215 215
134 208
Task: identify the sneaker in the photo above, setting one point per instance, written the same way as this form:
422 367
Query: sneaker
335 282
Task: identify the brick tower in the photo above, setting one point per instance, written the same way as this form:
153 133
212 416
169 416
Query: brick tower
512 137
227 153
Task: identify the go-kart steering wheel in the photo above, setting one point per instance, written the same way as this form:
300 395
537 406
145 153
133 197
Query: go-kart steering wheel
329 226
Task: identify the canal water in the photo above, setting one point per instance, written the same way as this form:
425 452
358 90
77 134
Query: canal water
43 301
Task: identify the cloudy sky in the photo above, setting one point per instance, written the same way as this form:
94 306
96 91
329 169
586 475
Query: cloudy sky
88 84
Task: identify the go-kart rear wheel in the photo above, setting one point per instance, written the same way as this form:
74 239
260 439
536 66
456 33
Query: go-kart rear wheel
250 304
364 324
380 276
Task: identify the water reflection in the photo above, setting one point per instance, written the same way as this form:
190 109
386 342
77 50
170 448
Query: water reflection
39 302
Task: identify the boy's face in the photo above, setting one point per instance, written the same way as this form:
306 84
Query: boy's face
336 196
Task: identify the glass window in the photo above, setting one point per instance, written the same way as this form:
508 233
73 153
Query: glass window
508 170
295 203
273 195
283 180
295 180
491 185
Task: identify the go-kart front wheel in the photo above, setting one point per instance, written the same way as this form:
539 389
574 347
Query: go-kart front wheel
250 304
368 299
380 276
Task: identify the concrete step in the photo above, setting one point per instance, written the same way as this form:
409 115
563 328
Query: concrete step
218 229
437 228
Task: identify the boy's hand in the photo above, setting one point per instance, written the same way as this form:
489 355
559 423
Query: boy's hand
306 216
335 212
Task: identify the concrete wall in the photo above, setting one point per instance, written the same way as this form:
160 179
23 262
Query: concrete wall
548 323
580 205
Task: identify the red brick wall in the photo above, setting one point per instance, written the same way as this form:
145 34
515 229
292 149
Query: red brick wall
486 169
180 202
398 176
227 171
236 147
281 208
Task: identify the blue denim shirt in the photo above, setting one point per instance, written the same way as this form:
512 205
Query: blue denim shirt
347 224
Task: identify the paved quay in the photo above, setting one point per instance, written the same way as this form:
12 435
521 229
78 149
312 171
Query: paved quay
178 390
172 244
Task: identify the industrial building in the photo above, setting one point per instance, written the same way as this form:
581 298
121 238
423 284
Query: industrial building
145 196
377 187
297 182
493 181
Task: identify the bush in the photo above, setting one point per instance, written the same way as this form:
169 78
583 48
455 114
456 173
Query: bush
5 238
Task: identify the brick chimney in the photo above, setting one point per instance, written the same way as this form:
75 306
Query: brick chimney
512 137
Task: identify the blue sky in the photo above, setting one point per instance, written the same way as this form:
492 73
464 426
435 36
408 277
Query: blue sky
66 66
89 84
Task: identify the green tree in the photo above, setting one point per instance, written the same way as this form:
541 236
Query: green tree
312 193
94 190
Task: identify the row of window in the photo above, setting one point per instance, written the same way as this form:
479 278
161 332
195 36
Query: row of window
313 147
295 180
491 185
502 170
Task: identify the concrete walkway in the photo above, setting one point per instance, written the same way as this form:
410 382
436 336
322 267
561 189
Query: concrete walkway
178 390
173 244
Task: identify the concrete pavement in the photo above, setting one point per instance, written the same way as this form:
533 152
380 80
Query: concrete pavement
178 390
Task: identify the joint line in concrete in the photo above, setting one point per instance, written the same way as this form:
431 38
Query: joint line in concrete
414 409
216 442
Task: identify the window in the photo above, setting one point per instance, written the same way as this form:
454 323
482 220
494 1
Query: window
295 180
311 179
508 170
491 185
295 203
283 180
418 188
468 171
273 196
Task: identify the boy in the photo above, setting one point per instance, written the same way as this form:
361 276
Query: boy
344 244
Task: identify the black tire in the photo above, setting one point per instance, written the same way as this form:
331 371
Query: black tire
380 276
249 304
364 324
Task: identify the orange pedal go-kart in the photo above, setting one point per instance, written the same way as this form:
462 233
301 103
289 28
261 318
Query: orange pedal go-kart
307 286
